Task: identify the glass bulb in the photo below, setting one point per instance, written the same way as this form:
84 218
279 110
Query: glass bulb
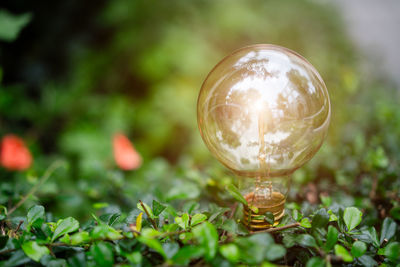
263 112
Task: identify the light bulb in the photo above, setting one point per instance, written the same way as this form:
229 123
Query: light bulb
263 112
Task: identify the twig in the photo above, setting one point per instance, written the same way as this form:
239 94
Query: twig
46 175
19 225
7 251
271 230
153 222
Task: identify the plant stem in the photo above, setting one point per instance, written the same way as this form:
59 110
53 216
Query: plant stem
271 230
153 222
46 175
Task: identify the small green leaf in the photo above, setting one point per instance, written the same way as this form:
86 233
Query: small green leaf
207 236
34 251
269 217
392 251
326 200
230 251
65 226
332 216
372 236
315 262
79 238
236 194
331 237
296 215
342 252
358 249
11 24
35 216
104 231
320 219
102 253
275 252
395 212
388 229
158 208
197 218
148 238
305 222
135 257
187 253
183 221
352 217
306 240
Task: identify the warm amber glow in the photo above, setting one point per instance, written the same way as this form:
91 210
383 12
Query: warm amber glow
263 111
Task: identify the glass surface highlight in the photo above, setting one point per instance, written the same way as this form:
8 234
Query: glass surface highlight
263 111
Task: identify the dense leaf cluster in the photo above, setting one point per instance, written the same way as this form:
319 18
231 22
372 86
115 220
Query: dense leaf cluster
161 235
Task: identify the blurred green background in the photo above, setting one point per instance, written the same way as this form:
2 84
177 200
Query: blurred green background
81 71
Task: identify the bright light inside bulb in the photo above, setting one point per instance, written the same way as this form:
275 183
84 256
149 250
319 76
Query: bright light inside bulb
263 111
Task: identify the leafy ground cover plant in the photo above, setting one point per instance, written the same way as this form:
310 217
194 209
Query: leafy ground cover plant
179 207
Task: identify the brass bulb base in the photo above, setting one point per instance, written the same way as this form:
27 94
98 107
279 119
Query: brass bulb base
275 204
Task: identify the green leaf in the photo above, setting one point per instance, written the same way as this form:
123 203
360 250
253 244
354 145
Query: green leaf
187 253
332 216
326 200
35 216
102 253
306 240
135 257
148 238
388 229
104 231
395 212
235 193
392 251
11 24
254 248
158 208
352 217
296 215
170 249
358 249
315 262
65 226
367 261
34 251
275 252
197 218
342 252
183 221
331 237
230 251
289 240
305 222
269 217
369 235
207 236
320 219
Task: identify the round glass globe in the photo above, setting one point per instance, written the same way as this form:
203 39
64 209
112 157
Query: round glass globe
263 111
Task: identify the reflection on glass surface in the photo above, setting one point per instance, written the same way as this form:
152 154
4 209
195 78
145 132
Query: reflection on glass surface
263 111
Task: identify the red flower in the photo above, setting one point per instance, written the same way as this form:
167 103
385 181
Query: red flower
14 155
125 155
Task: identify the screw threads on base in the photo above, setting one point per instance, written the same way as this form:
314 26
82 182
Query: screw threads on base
275 205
